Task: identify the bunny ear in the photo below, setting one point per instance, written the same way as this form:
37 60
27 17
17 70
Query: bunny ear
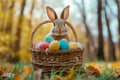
65 13
51 13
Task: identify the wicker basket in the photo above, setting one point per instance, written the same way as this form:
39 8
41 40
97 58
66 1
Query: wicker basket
57 60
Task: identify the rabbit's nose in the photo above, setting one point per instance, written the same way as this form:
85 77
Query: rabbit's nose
59 28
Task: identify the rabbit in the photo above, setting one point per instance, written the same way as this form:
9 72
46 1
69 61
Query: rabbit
59 31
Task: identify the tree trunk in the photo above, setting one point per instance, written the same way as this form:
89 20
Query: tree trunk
8 17
111 43
10 20
118 7
18 33
31 12
3 12
30 20
88 33
100 53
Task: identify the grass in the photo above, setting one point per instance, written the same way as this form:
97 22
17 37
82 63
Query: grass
24 73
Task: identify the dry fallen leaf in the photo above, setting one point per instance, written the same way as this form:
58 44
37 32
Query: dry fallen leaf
58 77
90 70
70 76
27 70
47 78
18 77
38 74
1 71
116 74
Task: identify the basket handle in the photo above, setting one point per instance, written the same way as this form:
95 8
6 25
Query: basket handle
47 21
69 25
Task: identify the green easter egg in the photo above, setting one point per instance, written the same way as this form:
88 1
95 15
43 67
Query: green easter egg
49 39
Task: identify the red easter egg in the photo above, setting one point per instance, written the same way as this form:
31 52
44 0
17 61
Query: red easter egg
44 45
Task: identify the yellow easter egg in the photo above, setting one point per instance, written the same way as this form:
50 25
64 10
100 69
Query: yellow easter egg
73 45
54 45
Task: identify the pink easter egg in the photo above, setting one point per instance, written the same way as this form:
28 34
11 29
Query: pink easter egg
37 44
44 45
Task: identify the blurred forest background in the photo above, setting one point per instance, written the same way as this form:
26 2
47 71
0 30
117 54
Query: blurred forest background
97 23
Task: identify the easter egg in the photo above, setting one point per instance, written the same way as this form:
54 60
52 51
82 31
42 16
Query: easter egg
49 39
80 45
54 45
44 45
64 44
65 40
37 44
73 45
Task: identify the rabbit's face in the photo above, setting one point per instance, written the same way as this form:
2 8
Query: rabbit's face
59 27
59 24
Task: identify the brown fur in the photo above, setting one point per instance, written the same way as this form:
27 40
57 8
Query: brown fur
67 37
59 31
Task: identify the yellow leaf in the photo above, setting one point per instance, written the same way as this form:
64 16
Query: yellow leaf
19 77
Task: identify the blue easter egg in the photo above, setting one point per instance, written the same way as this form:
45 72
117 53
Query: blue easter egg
49 39
64 44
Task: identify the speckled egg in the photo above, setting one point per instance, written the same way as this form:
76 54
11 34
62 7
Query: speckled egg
37 44
80 45
64 44
54 45
49 39
73 45
44 45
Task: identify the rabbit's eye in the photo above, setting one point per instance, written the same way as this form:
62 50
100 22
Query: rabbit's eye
54 24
